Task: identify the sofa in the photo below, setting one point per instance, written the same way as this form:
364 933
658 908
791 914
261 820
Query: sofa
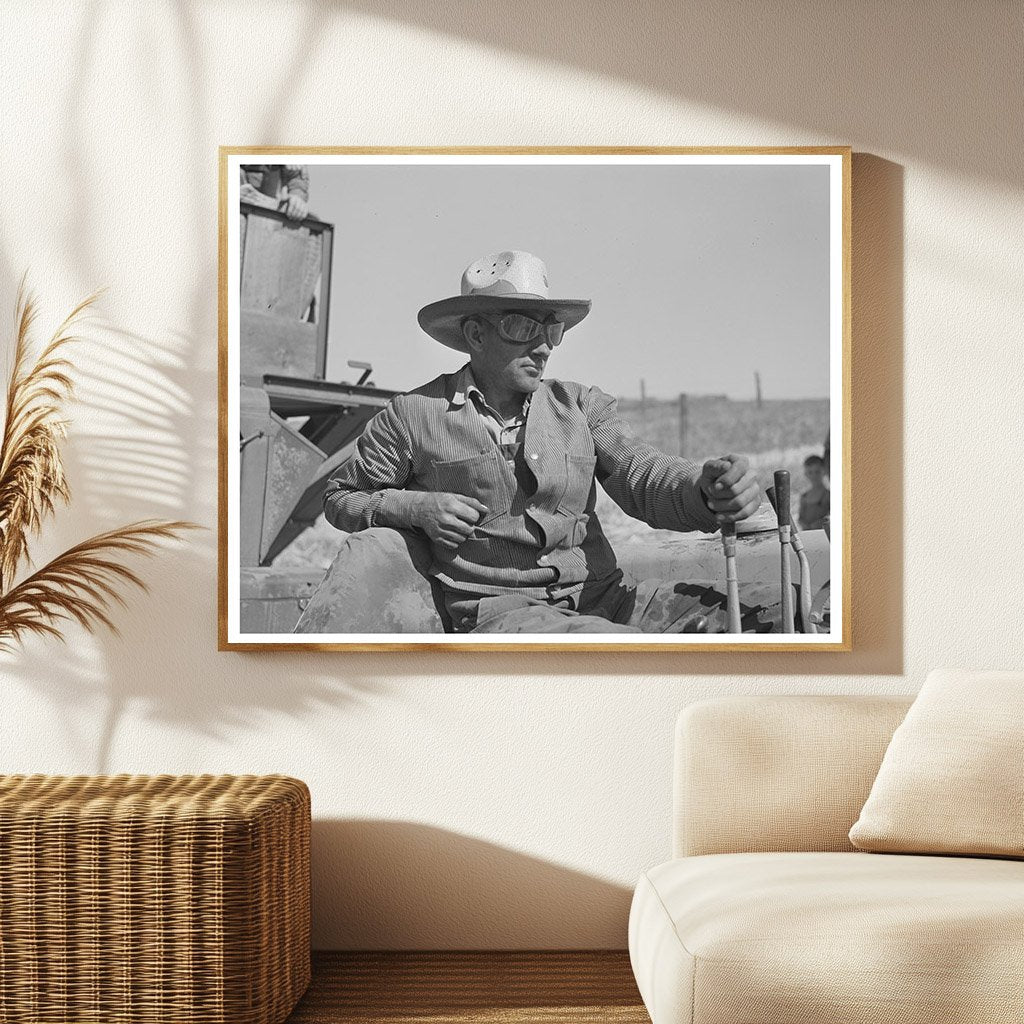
767 914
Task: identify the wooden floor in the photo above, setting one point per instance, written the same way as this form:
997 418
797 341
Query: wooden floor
467 988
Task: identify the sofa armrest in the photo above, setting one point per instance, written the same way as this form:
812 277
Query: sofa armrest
787 773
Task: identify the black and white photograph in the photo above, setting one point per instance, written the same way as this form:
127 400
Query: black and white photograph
559 398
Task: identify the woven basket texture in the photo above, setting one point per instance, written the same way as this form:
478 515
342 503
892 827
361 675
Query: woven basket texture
140 899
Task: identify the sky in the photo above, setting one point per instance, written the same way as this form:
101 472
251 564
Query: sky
699 275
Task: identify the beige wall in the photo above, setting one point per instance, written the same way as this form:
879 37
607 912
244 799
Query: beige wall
499 800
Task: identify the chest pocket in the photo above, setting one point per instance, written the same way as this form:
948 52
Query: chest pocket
481 477
579 482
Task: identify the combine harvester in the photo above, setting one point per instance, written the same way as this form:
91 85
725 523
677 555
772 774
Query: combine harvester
297 428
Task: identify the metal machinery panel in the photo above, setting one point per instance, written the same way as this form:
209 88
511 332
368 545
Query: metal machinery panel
285 294
296 427
273 599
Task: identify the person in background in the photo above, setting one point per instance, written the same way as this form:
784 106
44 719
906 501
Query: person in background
815 501
283 187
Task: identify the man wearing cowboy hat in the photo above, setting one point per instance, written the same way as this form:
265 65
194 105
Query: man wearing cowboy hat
497 466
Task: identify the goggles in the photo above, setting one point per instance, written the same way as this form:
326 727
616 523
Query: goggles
517 329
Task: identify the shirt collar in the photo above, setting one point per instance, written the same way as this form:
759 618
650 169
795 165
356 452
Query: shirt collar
466 387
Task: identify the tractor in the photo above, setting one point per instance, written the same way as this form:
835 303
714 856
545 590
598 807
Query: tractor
297 427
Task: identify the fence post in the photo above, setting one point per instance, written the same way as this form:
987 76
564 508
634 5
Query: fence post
683 425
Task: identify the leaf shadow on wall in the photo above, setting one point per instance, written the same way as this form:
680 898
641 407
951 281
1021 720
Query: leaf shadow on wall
405 885
149 447
138 453
151 440
145 443
925 80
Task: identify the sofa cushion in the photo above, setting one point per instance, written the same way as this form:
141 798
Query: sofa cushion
787 938
781 772
951 779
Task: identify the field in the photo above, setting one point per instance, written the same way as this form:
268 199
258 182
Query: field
779 434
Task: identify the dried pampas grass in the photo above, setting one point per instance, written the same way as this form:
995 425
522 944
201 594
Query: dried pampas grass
83 583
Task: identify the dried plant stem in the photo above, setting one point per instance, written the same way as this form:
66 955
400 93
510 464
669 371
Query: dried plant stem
80 584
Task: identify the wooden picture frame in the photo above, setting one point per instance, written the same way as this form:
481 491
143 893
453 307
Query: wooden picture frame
286 420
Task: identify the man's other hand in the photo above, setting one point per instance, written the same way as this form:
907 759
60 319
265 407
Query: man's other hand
447 519
295 207
730 488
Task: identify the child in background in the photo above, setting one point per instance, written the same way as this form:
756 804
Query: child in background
815 501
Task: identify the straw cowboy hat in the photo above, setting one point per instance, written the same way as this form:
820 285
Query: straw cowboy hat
500 283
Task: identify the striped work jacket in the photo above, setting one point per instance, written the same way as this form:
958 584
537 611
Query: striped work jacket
540 534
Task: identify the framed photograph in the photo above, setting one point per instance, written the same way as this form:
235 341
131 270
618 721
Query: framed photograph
548 398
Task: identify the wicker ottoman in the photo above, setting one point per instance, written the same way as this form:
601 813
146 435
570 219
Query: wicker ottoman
170 899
